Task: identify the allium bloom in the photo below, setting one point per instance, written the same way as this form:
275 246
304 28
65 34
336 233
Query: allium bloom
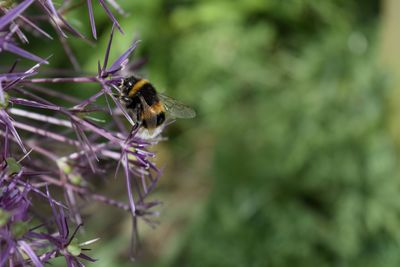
46 145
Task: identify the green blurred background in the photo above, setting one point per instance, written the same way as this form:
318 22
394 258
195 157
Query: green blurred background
293 157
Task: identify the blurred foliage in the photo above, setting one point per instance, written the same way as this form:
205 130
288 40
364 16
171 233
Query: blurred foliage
289 162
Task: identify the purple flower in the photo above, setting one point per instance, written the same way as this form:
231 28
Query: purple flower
107 10
65 144
14 13
23 244
14 205
63 243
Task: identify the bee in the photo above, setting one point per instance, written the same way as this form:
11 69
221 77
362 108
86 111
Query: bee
148 107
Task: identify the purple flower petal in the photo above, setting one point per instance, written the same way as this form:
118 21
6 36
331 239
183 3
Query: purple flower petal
15 75
125 165
86 257
34 26
34 189
15 12
108 48
91 18
53 16
19 51
30 103
60 218
58 20
86 145
29 251
27 73
70 28
116 65
94 128
110 15
22 37
51 6
8 123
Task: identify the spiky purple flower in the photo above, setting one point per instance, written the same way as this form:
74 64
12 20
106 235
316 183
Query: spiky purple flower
45 145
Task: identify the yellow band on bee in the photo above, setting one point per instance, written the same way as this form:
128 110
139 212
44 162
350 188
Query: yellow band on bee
157 107
137 87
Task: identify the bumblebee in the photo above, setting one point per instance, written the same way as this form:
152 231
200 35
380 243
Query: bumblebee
148 107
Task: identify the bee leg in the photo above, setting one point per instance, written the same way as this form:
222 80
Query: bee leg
138 111
135 114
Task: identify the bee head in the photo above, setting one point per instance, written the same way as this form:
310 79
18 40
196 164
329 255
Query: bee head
129 82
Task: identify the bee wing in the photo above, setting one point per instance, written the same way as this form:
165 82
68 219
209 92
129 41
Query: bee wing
176 109
148 116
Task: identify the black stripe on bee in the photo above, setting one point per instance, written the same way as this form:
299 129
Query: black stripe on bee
148 93
160 118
